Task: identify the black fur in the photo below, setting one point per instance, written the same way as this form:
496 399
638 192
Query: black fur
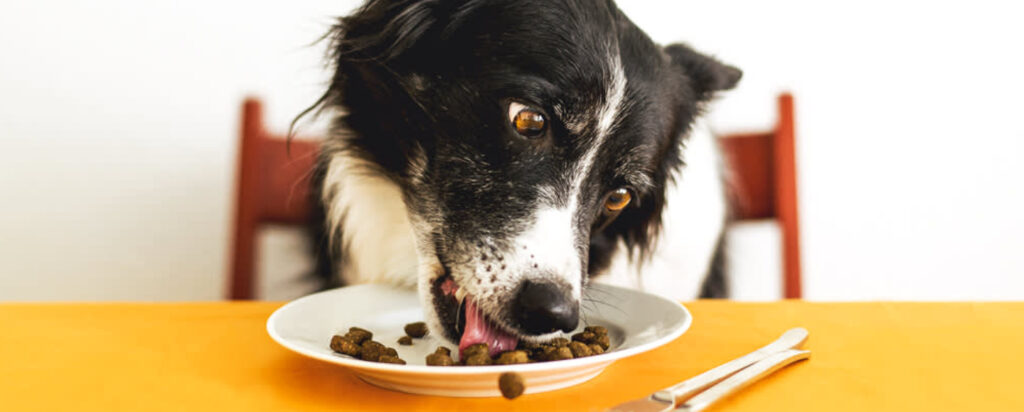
716 285
432 78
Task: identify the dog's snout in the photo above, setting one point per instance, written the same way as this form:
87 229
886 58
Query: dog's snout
541 307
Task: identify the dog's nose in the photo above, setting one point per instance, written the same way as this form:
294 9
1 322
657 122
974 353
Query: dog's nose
540 307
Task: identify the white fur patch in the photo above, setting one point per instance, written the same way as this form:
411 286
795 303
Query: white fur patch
607 115
548 246
369 211
614 98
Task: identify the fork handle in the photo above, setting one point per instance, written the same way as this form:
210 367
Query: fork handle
743 379
791 339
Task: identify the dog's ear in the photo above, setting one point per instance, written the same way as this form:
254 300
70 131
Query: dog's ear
707 75
382 30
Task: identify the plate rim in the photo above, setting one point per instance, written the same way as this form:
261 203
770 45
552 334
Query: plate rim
488 369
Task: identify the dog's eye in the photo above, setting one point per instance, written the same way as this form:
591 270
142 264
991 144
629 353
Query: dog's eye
617 200
527 121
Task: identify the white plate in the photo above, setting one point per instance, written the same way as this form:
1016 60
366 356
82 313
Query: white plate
637 322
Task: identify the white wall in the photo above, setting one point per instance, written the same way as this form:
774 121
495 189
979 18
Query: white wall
118 123
909 130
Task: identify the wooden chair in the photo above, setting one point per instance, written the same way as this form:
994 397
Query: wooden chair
273 188
763 185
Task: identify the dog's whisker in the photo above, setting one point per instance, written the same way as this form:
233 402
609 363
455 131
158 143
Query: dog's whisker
603 303
583 313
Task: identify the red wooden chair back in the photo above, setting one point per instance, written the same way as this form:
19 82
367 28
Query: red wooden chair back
763 185
273 187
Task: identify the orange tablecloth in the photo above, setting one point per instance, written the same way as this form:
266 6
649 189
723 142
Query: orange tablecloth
217 356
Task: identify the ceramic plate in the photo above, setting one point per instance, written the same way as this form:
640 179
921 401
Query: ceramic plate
637 322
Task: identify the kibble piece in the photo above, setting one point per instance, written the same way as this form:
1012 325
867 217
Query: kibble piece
358 335
561 353
359 330
343 345
359 343
512 357
439 359
479 348
511 385
416 329
529 346
371 350
533 349
559 342
585 337
479 359
391 359
579 349
546 353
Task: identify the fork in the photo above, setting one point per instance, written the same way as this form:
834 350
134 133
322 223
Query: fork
701 391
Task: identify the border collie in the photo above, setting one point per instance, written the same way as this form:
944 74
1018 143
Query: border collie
501 154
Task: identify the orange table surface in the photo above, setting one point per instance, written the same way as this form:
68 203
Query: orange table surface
217 356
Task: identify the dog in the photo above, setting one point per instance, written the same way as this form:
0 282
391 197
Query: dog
500 155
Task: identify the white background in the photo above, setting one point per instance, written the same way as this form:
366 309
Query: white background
118 134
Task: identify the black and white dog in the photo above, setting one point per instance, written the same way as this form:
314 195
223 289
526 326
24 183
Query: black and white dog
501 154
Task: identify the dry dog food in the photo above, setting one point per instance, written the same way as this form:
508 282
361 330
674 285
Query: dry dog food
441 357
416 329
358 335
594 335
513 357
511 385
372 350
346 346
359 343
391 359
479 359
592 341
579 349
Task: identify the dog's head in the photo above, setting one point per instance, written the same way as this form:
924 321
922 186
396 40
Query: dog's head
528 138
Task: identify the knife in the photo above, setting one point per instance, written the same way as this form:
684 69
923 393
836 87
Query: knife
742 379
667 399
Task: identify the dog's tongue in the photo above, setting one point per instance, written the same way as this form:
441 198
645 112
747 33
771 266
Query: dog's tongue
479 330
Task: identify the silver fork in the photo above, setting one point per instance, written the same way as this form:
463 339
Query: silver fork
701 391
